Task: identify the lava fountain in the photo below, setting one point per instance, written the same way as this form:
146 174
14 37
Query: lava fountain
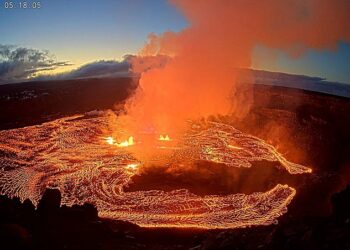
111 141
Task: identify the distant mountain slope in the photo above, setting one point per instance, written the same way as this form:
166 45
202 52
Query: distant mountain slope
32 102
315 84
27 103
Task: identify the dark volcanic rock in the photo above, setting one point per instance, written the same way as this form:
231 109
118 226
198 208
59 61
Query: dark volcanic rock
79 227
50 202
341 205
29 103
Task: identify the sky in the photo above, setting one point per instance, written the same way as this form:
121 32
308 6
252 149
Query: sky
84 31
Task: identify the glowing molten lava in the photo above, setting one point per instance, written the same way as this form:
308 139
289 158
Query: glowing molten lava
67 154
164 138
126 143
110 140
132 166
233 147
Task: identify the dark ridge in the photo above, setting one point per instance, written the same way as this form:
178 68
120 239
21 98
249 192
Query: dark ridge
31 103
52 226
301 82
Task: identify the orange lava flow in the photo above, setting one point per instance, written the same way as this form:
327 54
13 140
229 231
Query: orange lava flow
69 154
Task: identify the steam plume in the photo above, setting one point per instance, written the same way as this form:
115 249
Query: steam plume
199 80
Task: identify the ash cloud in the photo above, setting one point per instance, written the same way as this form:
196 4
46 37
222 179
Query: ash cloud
20 63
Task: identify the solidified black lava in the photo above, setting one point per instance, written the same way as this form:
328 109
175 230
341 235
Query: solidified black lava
208 178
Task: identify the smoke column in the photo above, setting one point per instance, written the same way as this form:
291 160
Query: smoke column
200 78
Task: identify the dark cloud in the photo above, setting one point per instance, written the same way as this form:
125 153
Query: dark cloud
101 68
131 65
19 63
95 69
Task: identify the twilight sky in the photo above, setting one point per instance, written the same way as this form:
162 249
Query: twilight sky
83 31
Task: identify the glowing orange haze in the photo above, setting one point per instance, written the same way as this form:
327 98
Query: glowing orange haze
199 80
